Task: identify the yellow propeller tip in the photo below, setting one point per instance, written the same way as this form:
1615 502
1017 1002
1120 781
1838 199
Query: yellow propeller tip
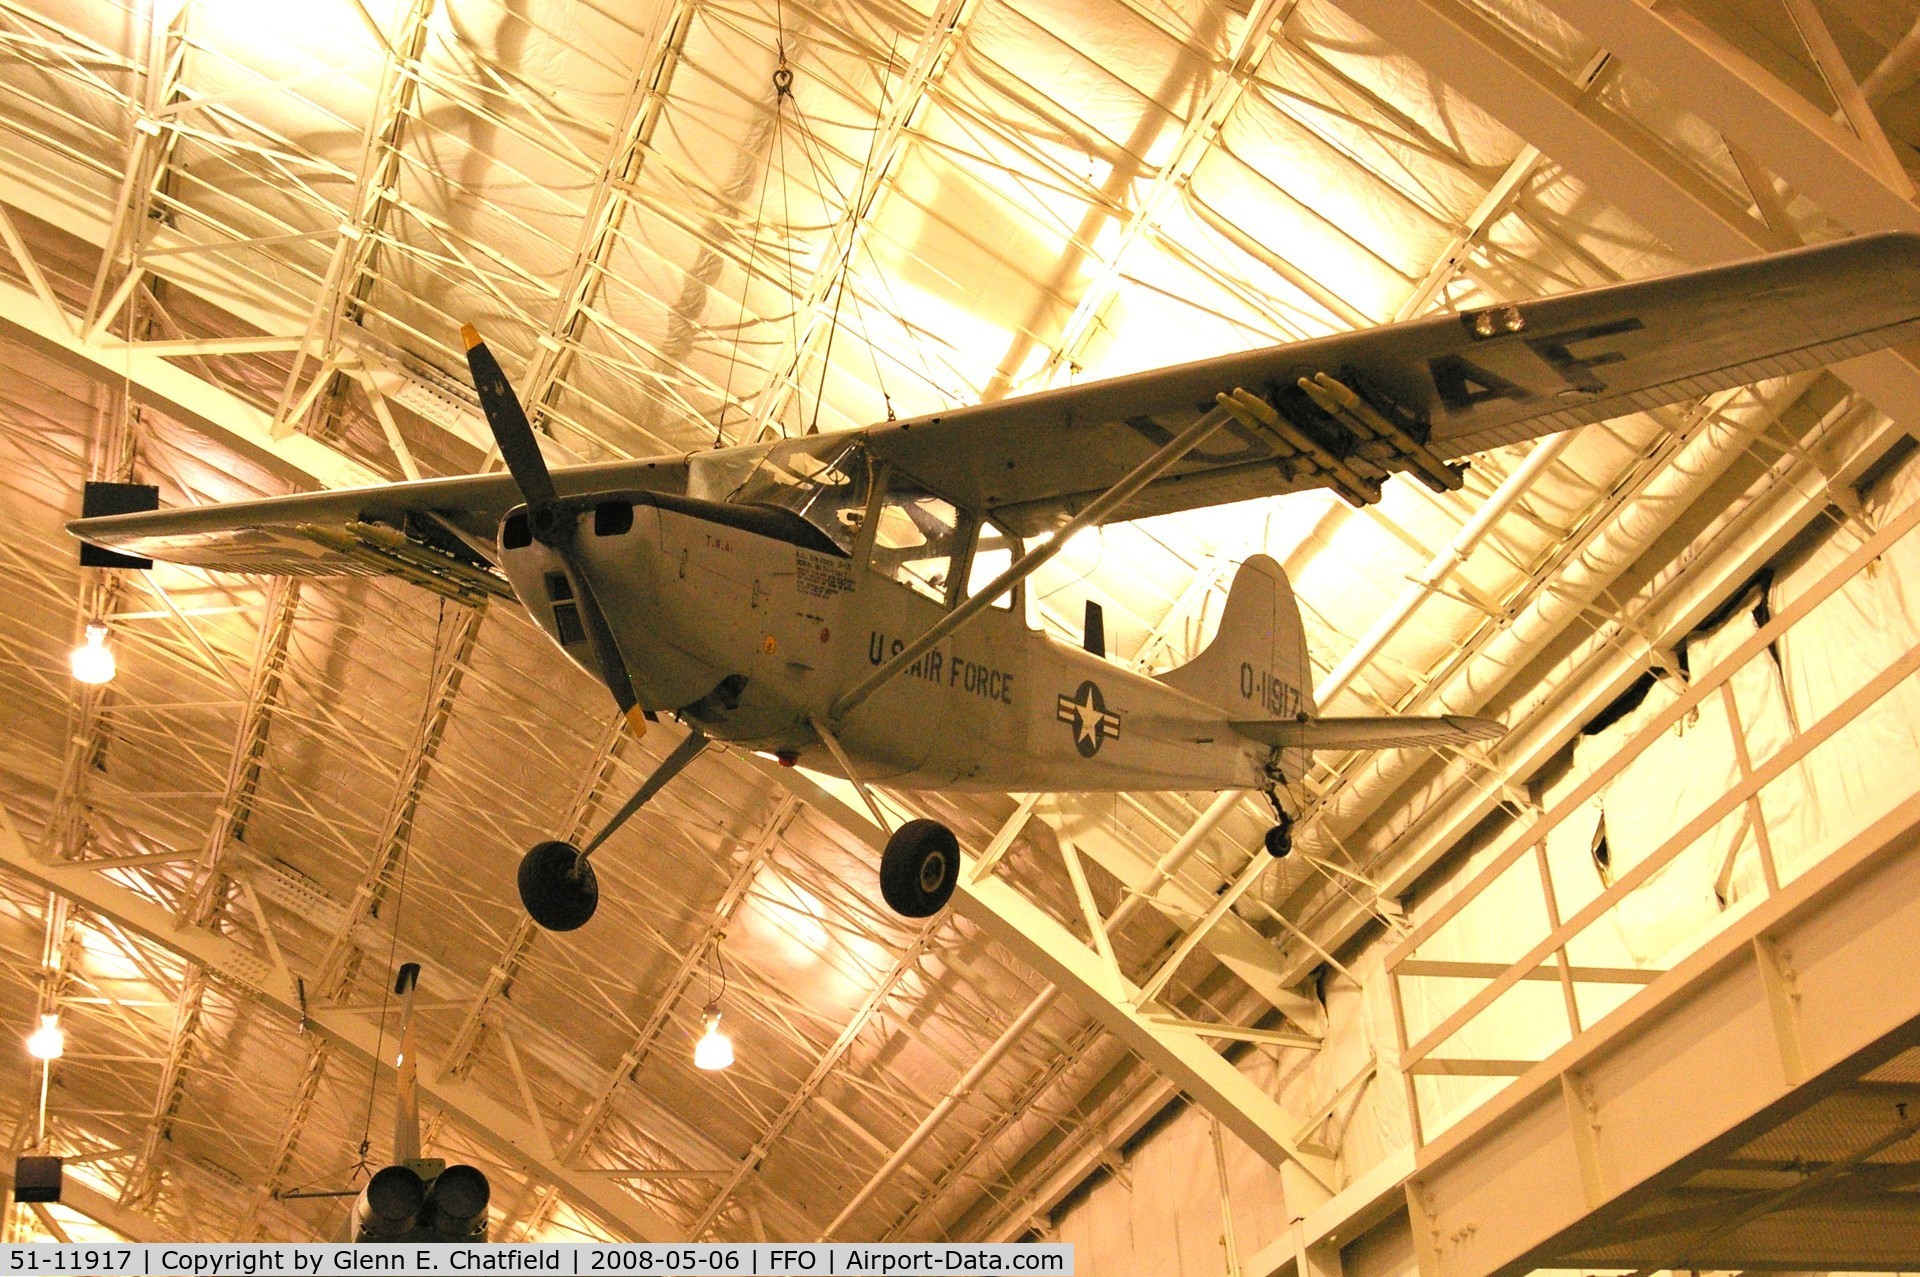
470 335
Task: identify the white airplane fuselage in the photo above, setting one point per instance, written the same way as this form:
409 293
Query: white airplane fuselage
752 637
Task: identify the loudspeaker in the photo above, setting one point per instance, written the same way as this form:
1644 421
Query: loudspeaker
36 1179
98 499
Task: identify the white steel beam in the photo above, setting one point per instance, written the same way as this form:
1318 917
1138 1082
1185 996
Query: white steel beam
1847 174
942 34
1041 942
182 396
1624 165
1617 159
349 279
1261 31
507 1133
1232 941
1791 1003
1794 494
600 227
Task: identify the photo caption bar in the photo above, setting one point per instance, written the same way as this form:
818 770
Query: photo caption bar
760 1259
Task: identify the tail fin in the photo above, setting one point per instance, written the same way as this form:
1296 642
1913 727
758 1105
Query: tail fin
1256 666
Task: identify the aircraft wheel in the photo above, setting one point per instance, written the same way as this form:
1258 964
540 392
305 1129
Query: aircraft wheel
920 868
555 896
1279 839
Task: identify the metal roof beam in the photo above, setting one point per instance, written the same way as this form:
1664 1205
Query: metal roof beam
1233 941
104 1211
182 396
507 1133
1265 21
945 27
208 896
1853 176
1041 942
594 1120
1617 159
150 152
600 228
349 280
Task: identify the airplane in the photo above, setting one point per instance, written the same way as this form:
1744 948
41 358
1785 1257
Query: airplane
851 602
416 1199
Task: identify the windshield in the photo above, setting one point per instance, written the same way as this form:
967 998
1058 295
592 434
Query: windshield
822 479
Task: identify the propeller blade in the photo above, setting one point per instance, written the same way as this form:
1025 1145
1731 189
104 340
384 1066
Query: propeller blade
606 649
508 421
551 525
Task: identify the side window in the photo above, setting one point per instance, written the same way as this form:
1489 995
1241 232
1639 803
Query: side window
992 555
913 540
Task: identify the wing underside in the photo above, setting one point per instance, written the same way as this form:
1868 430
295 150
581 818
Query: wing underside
437 533
1343 412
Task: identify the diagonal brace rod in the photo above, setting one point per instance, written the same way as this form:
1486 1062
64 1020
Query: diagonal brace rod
1027 564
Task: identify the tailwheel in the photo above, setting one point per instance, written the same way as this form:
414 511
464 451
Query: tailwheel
557 886
1279 839
919 868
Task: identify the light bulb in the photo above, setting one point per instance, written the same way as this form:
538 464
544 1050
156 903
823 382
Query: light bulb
47 1042
92 661
714 1050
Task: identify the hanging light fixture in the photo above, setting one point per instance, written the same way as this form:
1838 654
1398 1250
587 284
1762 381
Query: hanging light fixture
714 1050
92 661
47 1042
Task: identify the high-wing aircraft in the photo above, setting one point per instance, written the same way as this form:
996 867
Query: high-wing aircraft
852 602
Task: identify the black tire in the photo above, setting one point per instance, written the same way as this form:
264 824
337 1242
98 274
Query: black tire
555 896
920 868
1279 840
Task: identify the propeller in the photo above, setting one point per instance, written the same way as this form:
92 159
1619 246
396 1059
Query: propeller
553 523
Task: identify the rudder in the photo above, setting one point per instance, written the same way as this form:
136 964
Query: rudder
1256 665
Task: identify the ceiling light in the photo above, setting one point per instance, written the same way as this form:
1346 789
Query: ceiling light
92 661
714 1050
47 1042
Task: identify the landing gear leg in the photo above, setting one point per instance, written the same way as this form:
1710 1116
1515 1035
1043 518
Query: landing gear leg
557 885
920 865
1279 839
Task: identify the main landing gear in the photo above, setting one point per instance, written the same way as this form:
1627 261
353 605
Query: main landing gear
919 868
920 865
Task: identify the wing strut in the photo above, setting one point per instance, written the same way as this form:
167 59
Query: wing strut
1139 477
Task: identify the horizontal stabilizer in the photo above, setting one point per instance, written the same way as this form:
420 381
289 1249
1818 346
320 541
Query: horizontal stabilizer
1369 733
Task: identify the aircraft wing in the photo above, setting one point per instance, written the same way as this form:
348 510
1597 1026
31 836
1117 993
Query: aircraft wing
1370 732
435 532
1415 396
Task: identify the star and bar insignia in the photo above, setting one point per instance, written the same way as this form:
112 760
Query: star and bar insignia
1093 724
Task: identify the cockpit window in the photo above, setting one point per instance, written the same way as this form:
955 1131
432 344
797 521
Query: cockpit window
914 540
823 480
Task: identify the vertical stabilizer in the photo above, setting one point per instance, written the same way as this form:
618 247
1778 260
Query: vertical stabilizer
1256 666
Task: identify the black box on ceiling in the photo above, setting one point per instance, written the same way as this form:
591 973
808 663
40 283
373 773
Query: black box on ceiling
36 1179
98 499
